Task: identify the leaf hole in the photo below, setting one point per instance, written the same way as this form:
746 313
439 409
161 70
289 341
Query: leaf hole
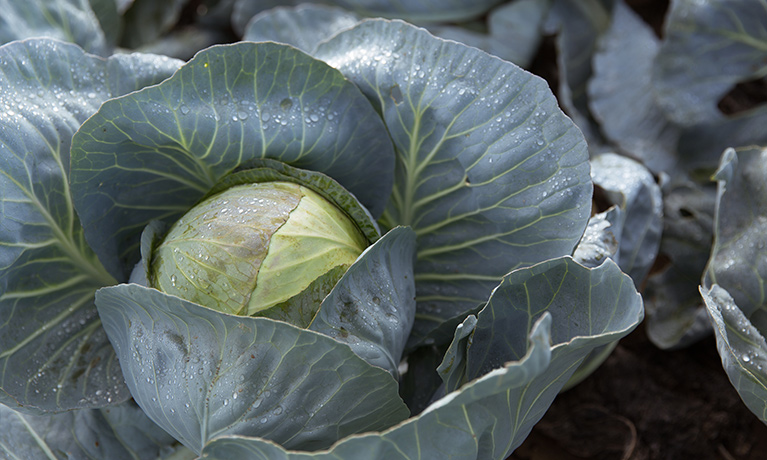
600 202
544 63
652 12
396 94
744 96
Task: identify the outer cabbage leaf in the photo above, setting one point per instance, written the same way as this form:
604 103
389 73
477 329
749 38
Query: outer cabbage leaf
200 374
738 260
120 432
109 19
364 312
734 281
514 31
421 10
601 240
304 26
676 316
490 174
622 66
631 186
574 295
742 347
701 146
68 20
243 11
708 48
578 25
452 369
145 20
538 326
228 105
54 356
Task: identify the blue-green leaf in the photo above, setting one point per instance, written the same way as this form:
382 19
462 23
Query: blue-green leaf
200 374
742 347
464 425
54 356
154 153
600 302
738 260
243 11
701 146
372 306
116 433
452 369
676 316
67 20
514 31
421 10
146 20
304 26
109 19
490 173
578 26
734 281
622 66
708 48
631 186
539 325
601 239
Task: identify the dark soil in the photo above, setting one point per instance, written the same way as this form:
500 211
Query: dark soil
645 403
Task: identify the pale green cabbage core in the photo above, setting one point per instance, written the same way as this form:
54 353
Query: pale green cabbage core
257 246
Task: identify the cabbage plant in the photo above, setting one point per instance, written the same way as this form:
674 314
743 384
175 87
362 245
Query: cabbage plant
360 253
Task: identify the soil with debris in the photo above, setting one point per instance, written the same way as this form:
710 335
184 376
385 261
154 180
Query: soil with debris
644 403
